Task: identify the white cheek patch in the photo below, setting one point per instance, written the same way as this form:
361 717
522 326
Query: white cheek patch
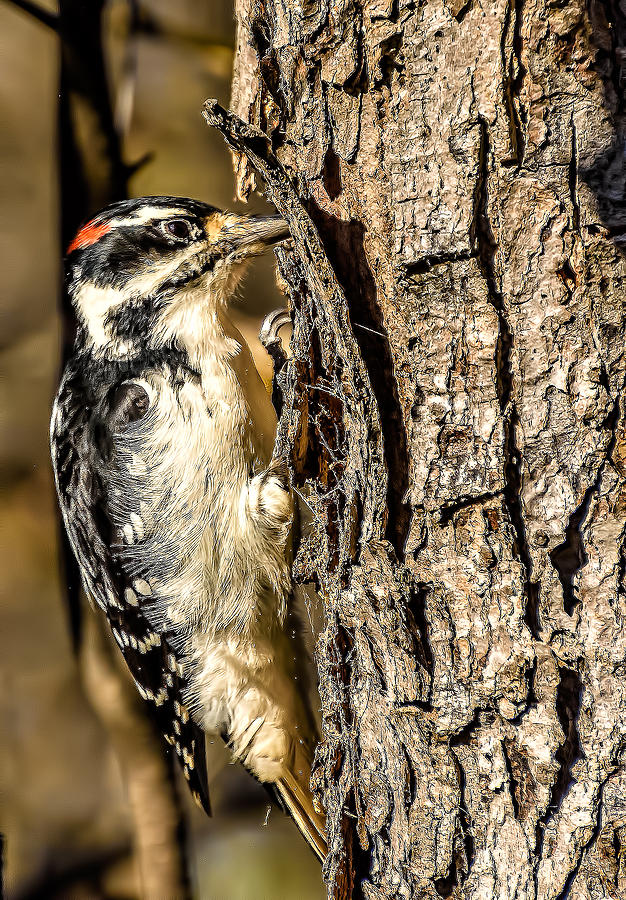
93 305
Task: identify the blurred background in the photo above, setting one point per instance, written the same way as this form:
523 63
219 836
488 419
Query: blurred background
101 100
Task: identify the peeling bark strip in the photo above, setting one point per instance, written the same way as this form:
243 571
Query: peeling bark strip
454 410
330 430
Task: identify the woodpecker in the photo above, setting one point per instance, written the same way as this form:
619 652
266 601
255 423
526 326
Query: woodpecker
162 439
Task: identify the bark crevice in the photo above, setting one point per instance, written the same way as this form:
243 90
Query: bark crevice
417 608
448 510
514 785
487 247
344 245
573 178
569 557
465 823
461 9
568 699
512 81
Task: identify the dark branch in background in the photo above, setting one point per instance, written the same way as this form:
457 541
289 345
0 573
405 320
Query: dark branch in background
41 15
146 23
92 171
89 871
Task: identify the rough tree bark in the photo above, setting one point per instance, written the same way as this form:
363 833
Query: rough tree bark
454 413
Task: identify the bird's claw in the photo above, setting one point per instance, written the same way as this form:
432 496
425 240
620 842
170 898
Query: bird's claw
271 325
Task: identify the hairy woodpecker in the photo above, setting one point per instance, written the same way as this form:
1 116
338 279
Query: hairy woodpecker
162 437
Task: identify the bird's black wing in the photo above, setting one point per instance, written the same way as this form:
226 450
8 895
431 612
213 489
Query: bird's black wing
150 655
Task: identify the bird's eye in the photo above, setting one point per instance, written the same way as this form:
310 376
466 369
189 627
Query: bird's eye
178 227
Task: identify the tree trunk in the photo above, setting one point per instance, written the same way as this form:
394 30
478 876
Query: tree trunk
454 414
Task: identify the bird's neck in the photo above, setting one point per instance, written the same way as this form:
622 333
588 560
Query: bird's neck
230 381
201 329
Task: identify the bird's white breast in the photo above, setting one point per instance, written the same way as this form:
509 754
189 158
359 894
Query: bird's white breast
188 476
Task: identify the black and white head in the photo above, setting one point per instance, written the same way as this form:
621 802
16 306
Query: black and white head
145 271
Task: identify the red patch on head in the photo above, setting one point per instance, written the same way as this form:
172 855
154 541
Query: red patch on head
88 234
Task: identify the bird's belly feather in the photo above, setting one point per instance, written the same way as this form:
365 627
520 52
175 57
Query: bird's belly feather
212 568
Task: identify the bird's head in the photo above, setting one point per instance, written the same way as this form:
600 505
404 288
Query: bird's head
145 270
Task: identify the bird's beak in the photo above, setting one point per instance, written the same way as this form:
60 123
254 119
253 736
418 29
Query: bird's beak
248 235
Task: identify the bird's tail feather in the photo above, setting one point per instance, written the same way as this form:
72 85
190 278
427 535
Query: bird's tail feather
298 802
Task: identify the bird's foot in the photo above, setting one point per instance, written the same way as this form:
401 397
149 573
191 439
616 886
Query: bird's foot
271 495
271 325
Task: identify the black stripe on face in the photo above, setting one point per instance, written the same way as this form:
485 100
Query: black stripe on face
127 251
138 317
189 271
